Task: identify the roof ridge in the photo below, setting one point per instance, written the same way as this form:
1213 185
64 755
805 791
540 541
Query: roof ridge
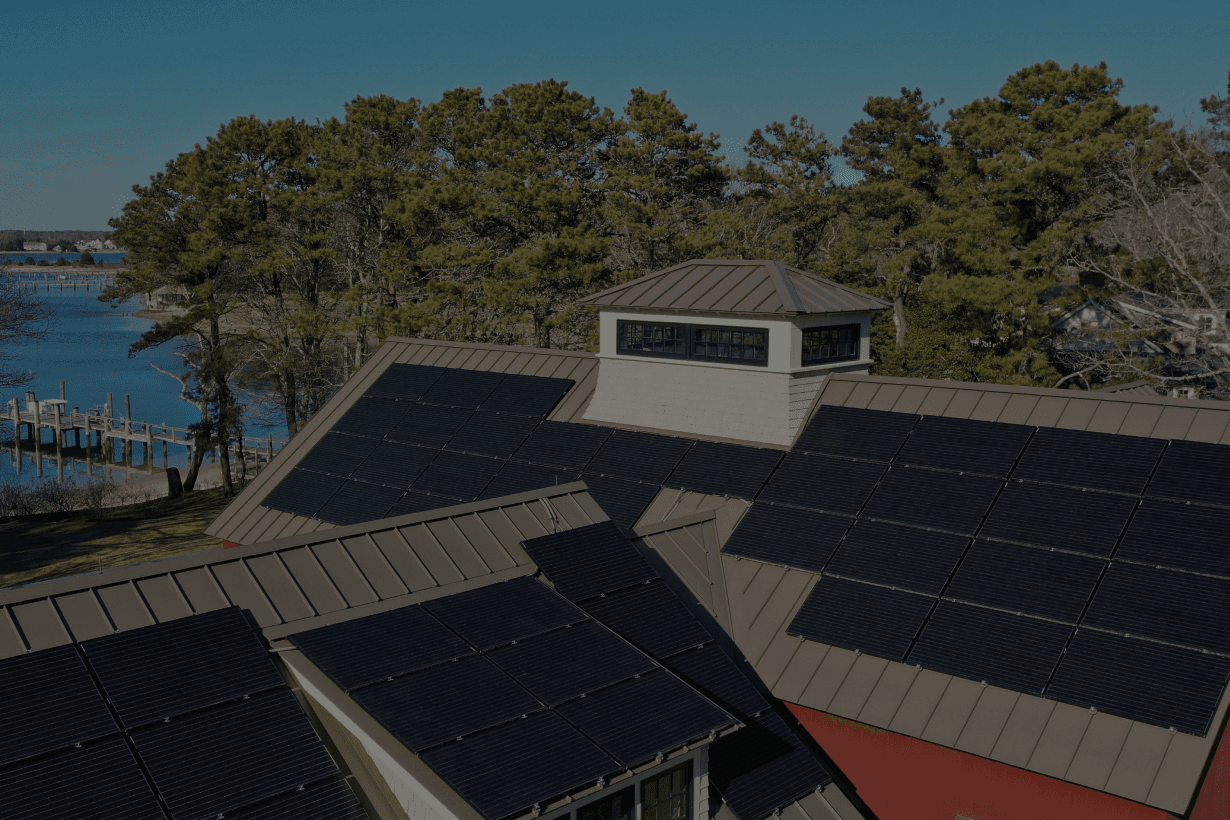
649 277
785 287
817 278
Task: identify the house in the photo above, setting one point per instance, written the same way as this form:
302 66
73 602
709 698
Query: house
34 246
167 297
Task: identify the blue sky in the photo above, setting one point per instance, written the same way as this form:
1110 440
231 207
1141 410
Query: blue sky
95 97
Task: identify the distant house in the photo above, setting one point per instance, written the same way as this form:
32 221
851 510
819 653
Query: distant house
167 297
108 245
90 245
34 246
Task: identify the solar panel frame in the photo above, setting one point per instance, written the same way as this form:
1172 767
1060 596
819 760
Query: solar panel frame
562 444
588 561
413 502
519 477
462 388
302 492
894 554
1036 581
964 445
457 475
500 613
1176 607
101 780
650 617
394 464
874 435
533 396
329 799
836 612
371 417
1080 458
823 483
1182 536
404 382
492 434
337 454
724 469
357 501
428 425
773 534
1193 471
623 501
713 673
1066 518
635 456
931 498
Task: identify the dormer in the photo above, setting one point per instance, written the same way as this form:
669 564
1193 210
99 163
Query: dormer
733 349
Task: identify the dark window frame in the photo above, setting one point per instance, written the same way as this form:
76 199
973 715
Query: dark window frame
658 807
856 331
686 335
680 332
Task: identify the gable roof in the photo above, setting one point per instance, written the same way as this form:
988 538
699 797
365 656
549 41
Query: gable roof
757 287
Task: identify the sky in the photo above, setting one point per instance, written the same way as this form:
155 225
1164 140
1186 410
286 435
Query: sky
96 97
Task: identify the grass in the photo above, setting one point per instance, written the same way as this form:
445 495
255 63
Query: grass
56 545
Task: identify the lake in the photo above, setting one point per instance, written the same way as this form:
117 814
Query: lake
105 256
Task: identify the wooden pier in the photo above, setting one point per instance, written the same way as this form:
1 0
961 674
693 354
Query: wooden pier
45 278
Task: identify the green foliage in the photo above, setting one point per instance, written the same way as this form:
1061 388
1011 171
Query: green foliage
86 258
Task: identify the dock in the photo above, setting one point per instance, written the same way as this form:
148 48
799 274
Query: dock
49 277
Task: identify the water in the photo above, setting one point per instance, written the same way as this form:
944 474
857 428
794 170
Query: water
20 258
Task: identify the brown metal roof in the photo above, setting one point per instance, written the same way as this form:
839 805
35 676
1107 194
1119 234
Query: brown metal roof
754 286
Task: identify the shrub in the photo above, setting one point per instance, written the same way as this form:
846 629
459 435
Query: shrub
29 260
86 258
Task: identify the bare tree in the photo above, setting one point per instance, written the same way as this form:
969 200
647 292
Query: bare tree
23 319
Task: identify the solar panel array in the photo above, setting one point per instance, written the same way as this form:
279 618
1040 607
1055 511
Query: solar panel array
187 719
760 768
423 438
1037 559
465 679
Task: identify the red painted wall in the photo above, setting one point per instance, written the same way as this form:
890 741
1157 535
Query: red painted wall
1213 802
902 778
226 545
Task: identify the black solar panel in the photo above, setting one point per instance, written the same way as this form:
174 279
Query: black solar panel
462 388
964 445
928 498
492 434
1100 461
371 417
1013 651
1026 579
724 469
518 477
1193 471
1139 680
180 666
427 425
638 456
100 781
369 649
499 613
394 465
821 483
359 501
330 799
905 557
534 396
406 382
302 492
50 702
804 539
854 433
623 501
763 781
589 561
563 445
446 702
716 676
1185 536
508 769
223 759
570 662
650 617
1177 607
413 502
1062 517
876 620
634 720
457 475
337 454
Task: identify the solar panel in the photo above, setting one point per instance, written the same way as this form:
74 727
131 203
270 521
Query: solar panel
847 431
227 758
906 557
1157 684
564 664
373 648
496 614
1193 471
534 396
805 539
822 483
180 666
446 702
589 561
517 477
359 501
715 675
413 502
302 492
634 720
330 799
371 417
508 769
462 388
872 619
50 702
638 456
394 465
457 475
492 434
337 454
405 382
1099 461
1026 579
928 498
563 445
766 769
650 617
427 425
964 445
1062 517
623 501
724 469
1184 536
1176 607
1013 651
100 781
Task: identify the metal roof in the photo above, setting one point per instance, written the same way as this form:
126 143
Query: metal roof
753 286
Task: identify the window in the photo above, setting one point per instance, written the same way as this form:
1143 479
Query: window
822 345
737 345
652 339
668 796
618 806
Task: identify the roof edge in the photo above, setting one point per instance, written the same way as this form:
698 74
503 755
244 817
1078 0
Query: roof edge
580 354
